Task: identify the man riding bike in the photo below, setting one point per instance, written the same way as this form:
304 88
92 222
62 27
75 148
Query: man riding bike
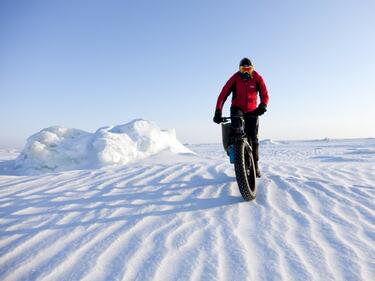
244 86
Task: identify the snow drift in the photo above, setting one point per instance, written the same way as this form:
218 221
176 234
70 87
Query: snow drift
59 148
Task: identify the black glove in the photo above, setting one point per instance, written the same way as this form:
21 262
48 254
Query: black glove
217 117
260 110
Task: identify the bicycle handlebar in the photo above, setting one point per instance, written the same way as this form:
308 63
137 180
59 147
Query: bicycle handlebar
233 117
229 118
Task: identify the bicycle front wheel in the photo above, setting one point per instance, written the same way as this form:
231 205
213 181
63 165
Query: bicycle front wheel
245 170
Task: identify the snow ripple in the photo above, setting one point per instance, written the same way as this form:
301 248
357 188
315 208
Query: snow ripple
312 220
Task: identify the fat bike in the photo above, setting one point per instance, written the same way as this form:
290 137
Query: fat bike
240 154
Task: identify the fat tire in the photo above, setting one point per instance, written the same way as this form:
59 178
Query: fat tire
246 184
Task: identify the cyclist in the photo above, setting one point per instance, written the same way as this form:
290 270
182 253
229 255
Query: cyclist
244 86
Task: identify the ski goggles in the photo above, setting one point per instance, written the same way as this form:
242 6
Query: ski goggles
246 69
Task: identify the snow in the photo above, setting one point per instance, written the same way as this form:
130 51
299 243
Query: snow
61 149
269 142
181 217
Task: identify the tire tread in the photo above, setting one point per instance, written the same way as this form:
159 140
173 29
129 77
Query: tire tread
240 169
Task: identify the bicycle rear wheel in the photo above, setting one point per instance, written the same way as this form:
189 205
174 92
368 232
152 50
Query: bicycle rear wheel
245 170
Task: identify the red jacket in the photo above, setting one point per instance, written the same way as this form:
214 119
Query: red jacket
244 92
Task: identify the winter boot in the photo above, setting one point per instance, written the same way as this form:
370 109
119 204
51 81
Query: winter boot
257 171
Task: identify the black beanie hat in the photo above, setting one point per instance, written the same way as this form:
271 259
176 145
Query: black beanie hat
245 61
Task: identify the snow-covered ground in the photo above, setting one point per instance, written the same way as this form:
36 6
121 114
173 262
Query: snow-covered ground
181 217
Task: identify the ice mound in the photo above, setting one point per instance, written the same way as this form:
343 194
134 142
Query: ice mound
269 142
135 140
55 148
59 149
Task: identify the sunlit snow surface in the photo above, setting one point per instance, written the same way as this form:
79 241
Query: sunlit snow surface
181 217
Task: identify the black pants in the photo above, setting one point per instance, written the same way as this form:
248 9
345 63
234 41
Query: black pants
251 128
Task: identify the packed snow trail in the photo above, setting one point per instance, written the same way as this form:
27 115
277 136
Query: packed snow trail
184 218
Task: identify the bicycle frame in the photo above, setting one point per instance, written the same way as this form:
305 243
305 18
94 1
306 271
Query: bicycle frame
239 132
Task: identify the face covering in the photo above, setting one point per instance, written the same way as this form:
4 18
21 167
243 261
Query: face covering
245 72
245 75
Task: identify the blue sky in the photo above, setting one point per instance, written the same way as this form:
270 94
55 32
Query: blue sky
86 64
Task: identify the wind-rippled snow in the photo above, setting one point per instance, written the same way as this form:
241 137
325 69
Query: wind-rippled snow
181 217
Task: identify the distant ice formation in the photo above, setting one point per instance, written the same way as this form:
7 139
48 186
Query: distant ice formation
59 148
269 142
